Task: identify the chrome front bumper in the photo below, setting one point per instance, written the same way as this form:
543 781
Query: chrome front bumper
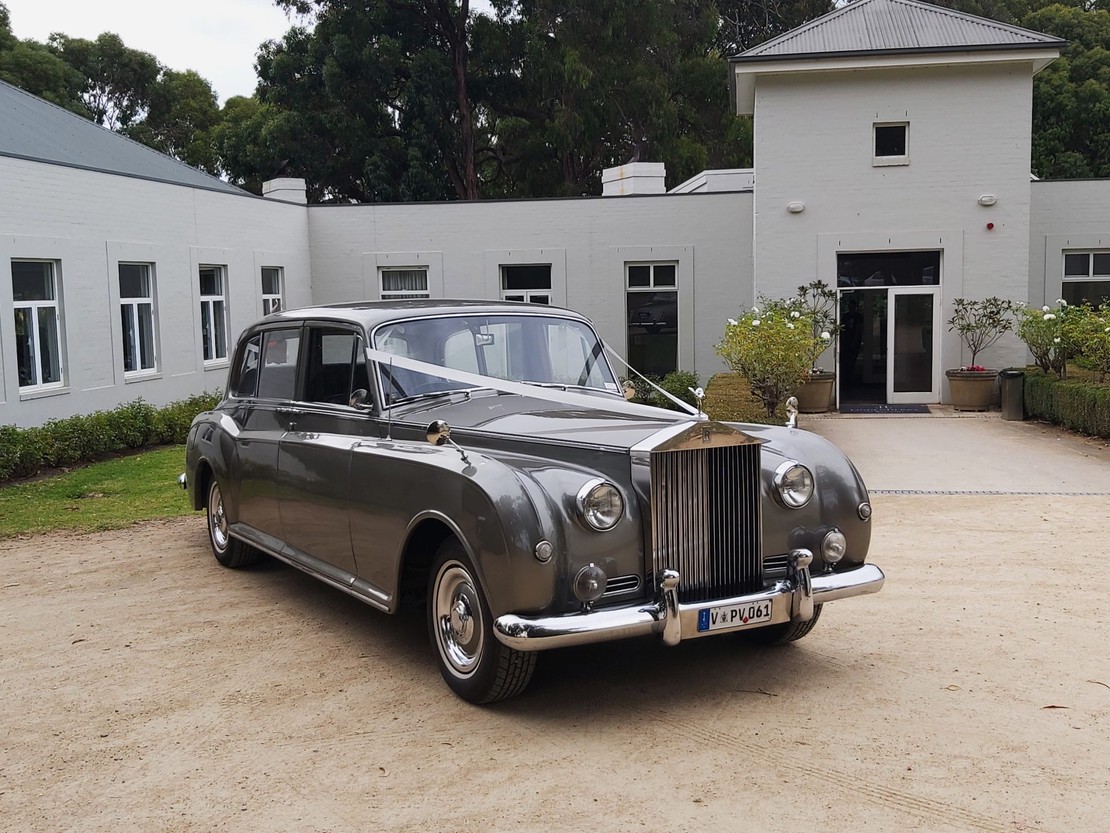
793 599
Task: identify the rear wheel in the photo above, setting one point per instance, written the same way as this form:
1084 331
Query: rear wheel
231 552
473 663
783 633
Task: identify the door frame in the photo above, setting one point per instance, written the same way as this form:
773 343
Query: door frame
930 396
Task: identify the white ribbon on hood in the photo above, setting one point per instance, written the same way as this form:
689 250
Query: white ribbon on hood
556 395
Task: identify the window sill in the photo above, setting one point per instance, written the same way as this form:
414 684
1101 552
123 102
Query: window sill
41 393
889 161
218 364
130 378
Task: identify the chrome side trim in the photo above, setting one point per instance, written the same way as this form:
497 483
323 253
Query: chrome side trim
676 622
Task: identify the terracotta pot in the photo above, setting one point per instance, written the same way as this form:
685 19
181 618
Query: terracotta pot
972 390
815 396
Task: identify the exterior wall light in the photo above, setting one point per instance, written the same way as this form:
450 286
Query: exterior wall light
796 207
988 199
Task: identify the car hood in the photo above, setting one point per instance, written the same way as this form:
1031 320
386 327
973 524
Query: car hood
525 417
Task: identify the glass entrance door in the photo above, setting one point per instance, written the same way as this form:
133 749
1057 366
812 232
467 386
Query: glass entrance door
912 333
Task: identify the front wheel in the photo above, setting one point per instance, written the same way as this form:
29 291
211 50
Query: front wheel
231 552
784 632
473 663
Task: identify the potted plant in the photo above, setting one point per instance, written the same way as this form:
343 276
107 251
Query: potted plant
980 324
771 347
817 303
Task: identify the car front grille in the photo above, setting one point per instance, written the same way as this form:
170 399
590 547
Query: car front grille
706 521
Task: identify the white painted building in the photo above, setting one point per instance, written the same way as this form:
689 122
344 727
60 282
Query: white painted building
891 158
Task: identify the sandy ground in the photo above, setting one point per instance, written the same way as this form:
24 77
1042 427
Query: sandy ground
145 688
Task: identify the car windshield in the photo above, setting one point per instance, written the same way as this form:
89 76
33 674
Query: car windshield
543 350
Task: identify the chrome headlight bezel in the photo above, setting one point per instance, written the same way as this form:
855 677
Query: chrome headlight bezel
793 484
600 505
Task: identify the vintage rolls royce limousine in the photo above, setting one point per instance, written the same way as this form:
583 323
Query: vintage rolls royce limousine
482 457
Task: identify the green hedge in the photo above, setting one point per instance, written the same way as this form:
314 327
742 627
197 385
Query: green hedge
1078 405
24 452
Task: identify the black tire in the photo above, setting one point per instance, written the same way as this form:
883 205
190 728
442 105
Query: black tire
473 663
786 632
231 552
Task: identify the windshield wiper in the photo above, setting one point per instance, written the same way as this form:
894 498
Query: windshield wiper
434 394
565 386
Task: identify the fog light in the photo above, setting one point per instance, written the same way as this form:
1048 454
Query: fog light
544 551
589 584
864 511
833 547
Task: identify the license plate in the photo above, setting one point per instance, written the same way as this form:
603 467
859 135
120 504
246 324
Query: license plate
734 616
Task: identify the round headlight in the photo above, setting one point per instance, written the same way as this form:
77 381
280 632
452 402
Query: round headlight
600 505
834 546
793 484
589 584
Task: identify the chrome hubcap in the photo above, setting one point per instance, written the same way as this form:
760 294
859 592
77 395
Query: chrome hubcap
217 519
458 619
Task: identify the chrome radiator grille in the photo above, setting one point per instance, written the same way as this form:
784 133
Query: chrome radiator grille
706 522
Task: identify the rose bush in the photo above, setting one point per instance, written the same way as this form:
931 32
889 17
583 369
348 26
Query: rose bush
772 347
1049 333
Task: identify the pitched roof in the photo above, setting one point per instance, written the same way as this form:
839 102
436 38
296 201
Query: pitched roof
890 26
31 128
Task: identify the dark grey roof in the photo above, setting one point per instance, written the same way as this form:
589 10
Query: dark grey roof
31 128
885 26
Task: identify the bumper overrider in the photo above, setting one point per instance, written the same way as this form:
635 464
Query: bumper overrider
792 600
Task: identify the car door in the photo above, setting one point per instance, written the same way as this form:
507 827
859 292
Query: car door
264 385
332 415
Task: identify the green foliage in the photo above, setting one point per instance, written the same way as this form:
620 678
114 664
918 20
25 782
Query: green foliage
1082 406
179 122
1089 332
678 383
108 495
1071 96
25 452
981 323
817 302
118 80
770 346
1048 334
729 398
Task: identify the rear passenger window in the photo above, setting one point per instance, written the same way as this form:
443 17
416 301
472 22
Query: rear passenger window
336 368
278 375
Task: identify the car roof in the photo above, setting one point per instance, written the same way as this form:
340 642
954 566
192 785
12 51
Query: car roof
372 313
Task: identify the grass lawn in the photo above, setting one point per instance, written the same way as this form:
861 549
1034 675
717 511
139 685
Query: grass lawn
107 495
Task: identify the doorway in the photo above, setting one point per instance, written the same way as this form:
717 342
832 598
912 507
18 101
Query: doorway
889 327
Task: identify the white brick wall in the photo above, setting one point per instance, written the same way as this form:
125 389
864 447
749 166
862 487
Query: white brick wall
90 221
1065 215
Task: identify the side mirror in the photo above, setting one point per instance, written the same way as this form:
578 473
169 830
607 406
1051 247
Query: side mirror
359 397
439 432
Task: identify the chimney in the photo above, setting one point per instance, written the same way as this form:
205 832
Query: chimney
634 178
289 189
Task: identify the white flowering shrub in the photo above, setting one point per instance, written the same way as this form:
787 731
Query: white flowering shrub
1048 333
771 346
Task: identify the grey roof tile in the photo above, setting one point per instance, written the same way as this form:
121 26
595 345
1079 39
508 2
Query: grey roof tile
31 128
884 26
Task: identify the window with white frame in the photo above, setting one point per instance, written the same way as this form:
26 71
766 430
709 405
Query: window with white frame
213 312
529 282
652 307
38 324
1086 278
138 319
273 286
891 143
399 283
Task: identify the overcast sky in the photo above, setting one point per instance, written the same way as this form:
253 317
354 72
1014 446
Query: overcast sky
217 38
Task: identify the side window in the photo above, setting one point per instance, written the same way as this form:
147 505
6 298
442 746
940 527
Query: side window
336 369
277 378
246 380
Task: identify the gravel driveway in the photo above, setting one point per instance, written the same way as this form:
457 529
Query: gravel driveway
145 688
